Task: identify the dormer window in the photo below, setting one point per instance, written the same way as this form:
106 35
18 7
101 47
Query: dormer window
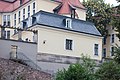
68 23
20 2
33 20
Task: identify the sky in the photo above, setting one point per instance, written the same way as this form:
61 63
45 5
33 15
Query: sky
114 2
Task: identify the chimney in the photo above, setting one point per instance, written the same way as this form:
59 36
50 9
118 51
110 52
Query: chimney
20 35
35 37
21 1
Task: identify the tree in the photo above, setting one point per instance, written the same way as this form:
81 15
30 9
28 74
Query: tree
117 54
74 72
109 71
118 0
99 13
116 19
83 71
86 71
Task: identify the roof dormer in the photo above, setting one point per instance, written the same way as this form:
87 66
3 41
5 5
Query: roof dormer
68 23
66 8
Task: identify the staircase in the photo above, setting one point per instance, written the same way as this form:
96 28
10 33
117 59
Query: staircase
22 58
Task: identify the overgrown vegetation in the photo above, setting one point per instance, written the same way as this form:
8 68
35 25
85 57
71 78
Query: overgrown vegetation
99 13
103 15
86 70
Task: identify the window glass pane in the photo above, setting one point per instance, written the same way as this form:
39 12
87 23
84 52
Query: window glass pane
14 19
8 18
28 8
33 11
34 8
96 49
19 17
8 34
68 44
23 14
104 52
19 14
104 40
34 5
4 18
23 11
112 51
14 16
112 38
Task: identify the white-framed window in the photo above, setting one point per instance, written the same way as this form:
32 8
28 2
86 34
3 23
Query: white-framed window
19 15
6 20
14 19
104 52
112 51
69 44
68 23
104 40
7 34
29 11
34 8
23 13
96 47
112 38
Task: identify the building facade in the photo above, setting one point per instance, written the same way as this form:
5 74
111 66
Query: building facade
57 27
110 42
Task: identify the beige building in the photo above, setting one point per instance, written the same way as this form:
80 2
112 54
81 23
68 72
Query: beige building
110 42
58 29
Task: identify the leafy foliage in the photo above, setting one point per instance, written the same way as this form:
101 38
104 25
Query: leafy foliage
83 71
116 20
99 13
74 72
118 0
117 54
109 71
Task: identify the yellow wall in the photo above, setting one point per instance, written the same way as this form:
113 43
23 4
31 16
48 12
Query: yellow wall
81 14
0 18
55 43
109 44
46 5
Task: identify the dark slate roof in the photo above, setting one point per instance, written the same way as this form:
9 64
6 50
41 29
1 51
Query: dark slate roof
57 21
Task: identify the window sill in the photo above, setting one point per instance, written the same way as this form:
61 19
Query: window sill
69 49
96 55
